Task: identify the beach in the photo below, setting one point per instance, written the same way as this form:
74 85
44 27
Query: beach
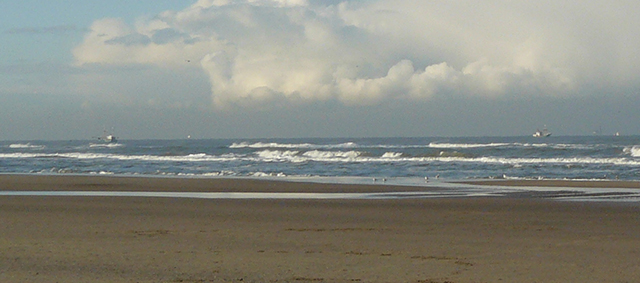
160 239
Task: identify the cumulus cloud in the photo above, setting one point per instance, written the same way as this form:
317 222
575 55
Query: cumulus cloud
256 52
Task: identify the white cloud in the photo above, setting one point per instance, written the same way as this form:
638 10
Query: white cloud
260 51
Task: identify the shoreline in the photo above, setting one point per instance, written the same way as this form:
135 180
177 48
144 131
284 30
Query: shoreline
55 182
355 181
312 188
557 183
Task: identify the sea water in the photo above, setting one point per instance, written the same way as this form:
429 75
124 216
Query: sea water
430 162
577 158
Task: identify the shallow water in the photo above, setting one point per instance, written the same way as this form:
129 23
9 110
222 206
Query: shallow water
432 189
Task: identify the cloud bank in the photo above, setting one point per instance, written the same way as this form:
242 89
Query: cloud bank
260 52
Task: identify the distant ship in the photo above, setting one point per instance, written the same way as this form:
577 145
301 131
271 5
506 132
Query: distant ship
108 138
542 134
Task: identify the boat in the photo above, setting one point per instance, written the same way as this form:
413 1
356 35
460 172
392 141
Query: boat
542 134
108 138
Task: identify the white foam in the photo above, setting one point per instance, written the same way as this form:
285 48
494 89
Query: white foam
466 145
18 155
83 156
290 145
318 155
106 145
295 156
263 174
392 155
512 145
26 146
278 155
634 151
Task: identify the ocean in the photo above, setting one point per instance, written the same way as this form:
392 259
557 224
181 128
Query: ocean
457 158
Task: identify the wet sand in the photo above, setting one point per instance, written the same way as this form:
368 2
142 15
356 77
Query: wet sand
559 183
135 239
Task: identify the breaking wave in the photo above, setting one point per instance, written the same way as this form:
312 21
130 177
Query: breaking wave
466 145
26 146
512 145
634 151
291 145
105 145
561 157
295 156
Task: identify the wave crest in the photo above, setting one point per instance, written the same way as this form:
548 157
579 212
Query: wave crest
634 151
259 145
26 146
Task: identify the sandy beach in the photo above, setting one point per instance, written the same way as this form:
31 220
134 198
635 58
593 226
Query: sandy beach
136 239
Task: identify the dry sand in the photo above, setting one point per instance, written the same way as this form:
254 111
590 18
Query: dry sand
135 239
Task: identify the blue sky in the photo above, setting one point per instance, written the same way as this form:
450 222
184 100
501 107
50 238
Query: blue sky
48 30
297 68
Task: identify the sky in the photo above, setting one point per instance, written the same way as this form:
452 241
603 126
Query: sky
168 69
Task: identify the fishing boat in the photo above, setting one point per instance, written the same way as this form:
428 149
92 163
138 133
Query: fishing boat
108 138
542 134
